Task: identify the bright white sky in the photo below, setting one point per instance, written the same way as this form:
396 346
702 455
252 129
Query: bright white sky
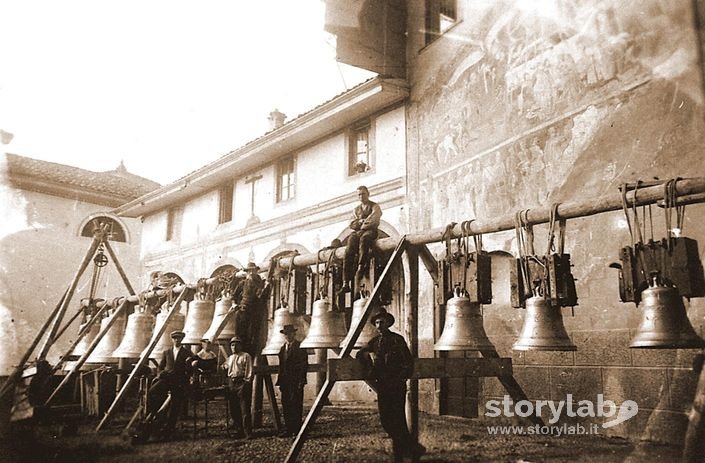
165 85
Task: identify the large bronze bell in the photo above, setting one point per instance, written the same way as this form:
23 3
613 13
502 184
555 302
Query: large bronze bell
82 346
368 331
543 328
664 320
327 327
103 352
138 332
283 317
463 328
221 309
176 322
198 320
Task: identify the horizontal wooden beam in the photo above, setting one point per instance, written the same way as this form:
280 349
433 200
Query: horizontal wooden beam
350 369
274 369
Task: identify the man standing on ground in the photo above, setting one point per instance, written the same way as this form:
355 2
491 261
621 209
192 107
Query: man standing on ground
388 359
364 224
293 366
239 370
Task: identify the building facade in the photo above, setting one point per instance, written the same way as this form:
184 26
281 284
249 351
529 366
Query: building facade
515 105
49 213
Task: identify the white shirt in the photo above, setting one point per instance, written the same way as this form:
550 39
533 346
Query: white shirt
239 366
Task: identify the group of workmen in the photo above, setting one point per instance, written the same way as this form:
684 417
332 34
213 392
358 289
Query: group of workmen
386 358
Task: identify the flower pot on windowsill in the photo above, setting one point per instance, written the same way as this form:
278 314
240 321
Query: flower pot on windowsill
361 167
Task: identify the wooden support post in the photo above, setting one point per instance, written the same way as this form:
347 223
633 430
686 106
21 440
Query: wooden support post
694 445
120 270
271 395
322 397
412 334
68 323
17 372
320 357
142 360
48 341
258 401
79 363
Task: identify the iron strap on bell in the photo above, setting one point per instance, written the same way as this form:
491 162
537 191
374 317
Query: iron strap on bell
542 284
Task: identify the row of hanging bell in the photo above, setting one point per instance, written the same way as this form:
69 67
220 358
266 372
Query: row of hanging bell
283 317
664 320
327 328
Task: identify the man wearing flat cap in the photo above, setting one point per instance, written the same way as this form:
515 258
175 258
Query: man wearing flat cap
389 361
250 295
239 370
293 366
173 377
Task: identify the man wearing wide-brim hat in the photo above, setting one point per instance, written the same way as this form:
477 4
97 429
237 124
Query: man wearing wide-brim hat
239 371
389 361
293 366
173 377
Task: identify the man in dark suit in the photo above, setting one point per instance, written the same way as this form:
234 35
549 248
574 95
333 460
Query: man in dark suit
173 377
388 360
293 366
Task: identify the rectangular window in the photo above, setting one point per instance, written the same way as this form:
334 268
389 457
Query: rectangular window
173 222
225 201
441 15
286 184
359 159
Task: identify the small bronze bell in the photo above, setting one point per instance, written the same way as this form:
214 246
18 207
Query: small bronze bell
543 328
664 320
463 329
327 327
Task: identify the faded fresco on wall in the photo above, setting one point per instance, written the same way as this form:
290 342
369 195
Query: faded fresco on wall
537 91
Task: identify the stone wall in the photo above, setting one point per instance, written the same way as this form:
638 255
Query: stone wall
517 107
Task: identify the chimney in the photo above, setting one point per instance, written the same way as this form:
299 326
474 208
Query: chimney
276 119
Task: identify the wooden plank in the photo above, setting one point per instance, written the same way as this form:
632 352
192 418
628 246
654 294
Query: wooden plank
350 369
429 261
411 302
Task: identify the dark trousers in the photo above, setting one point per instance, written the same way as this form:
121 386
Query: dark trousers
293 405
391 399
157 395
357 256
239 401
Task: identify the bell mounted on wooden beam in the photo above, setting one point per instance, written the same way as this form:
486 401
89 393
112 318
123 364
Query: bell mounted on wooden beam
664 320
140 325
463 328
327 328
176 323
222 306
103 352
368 331
542 285
200 313
283 317
543 328
82 346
